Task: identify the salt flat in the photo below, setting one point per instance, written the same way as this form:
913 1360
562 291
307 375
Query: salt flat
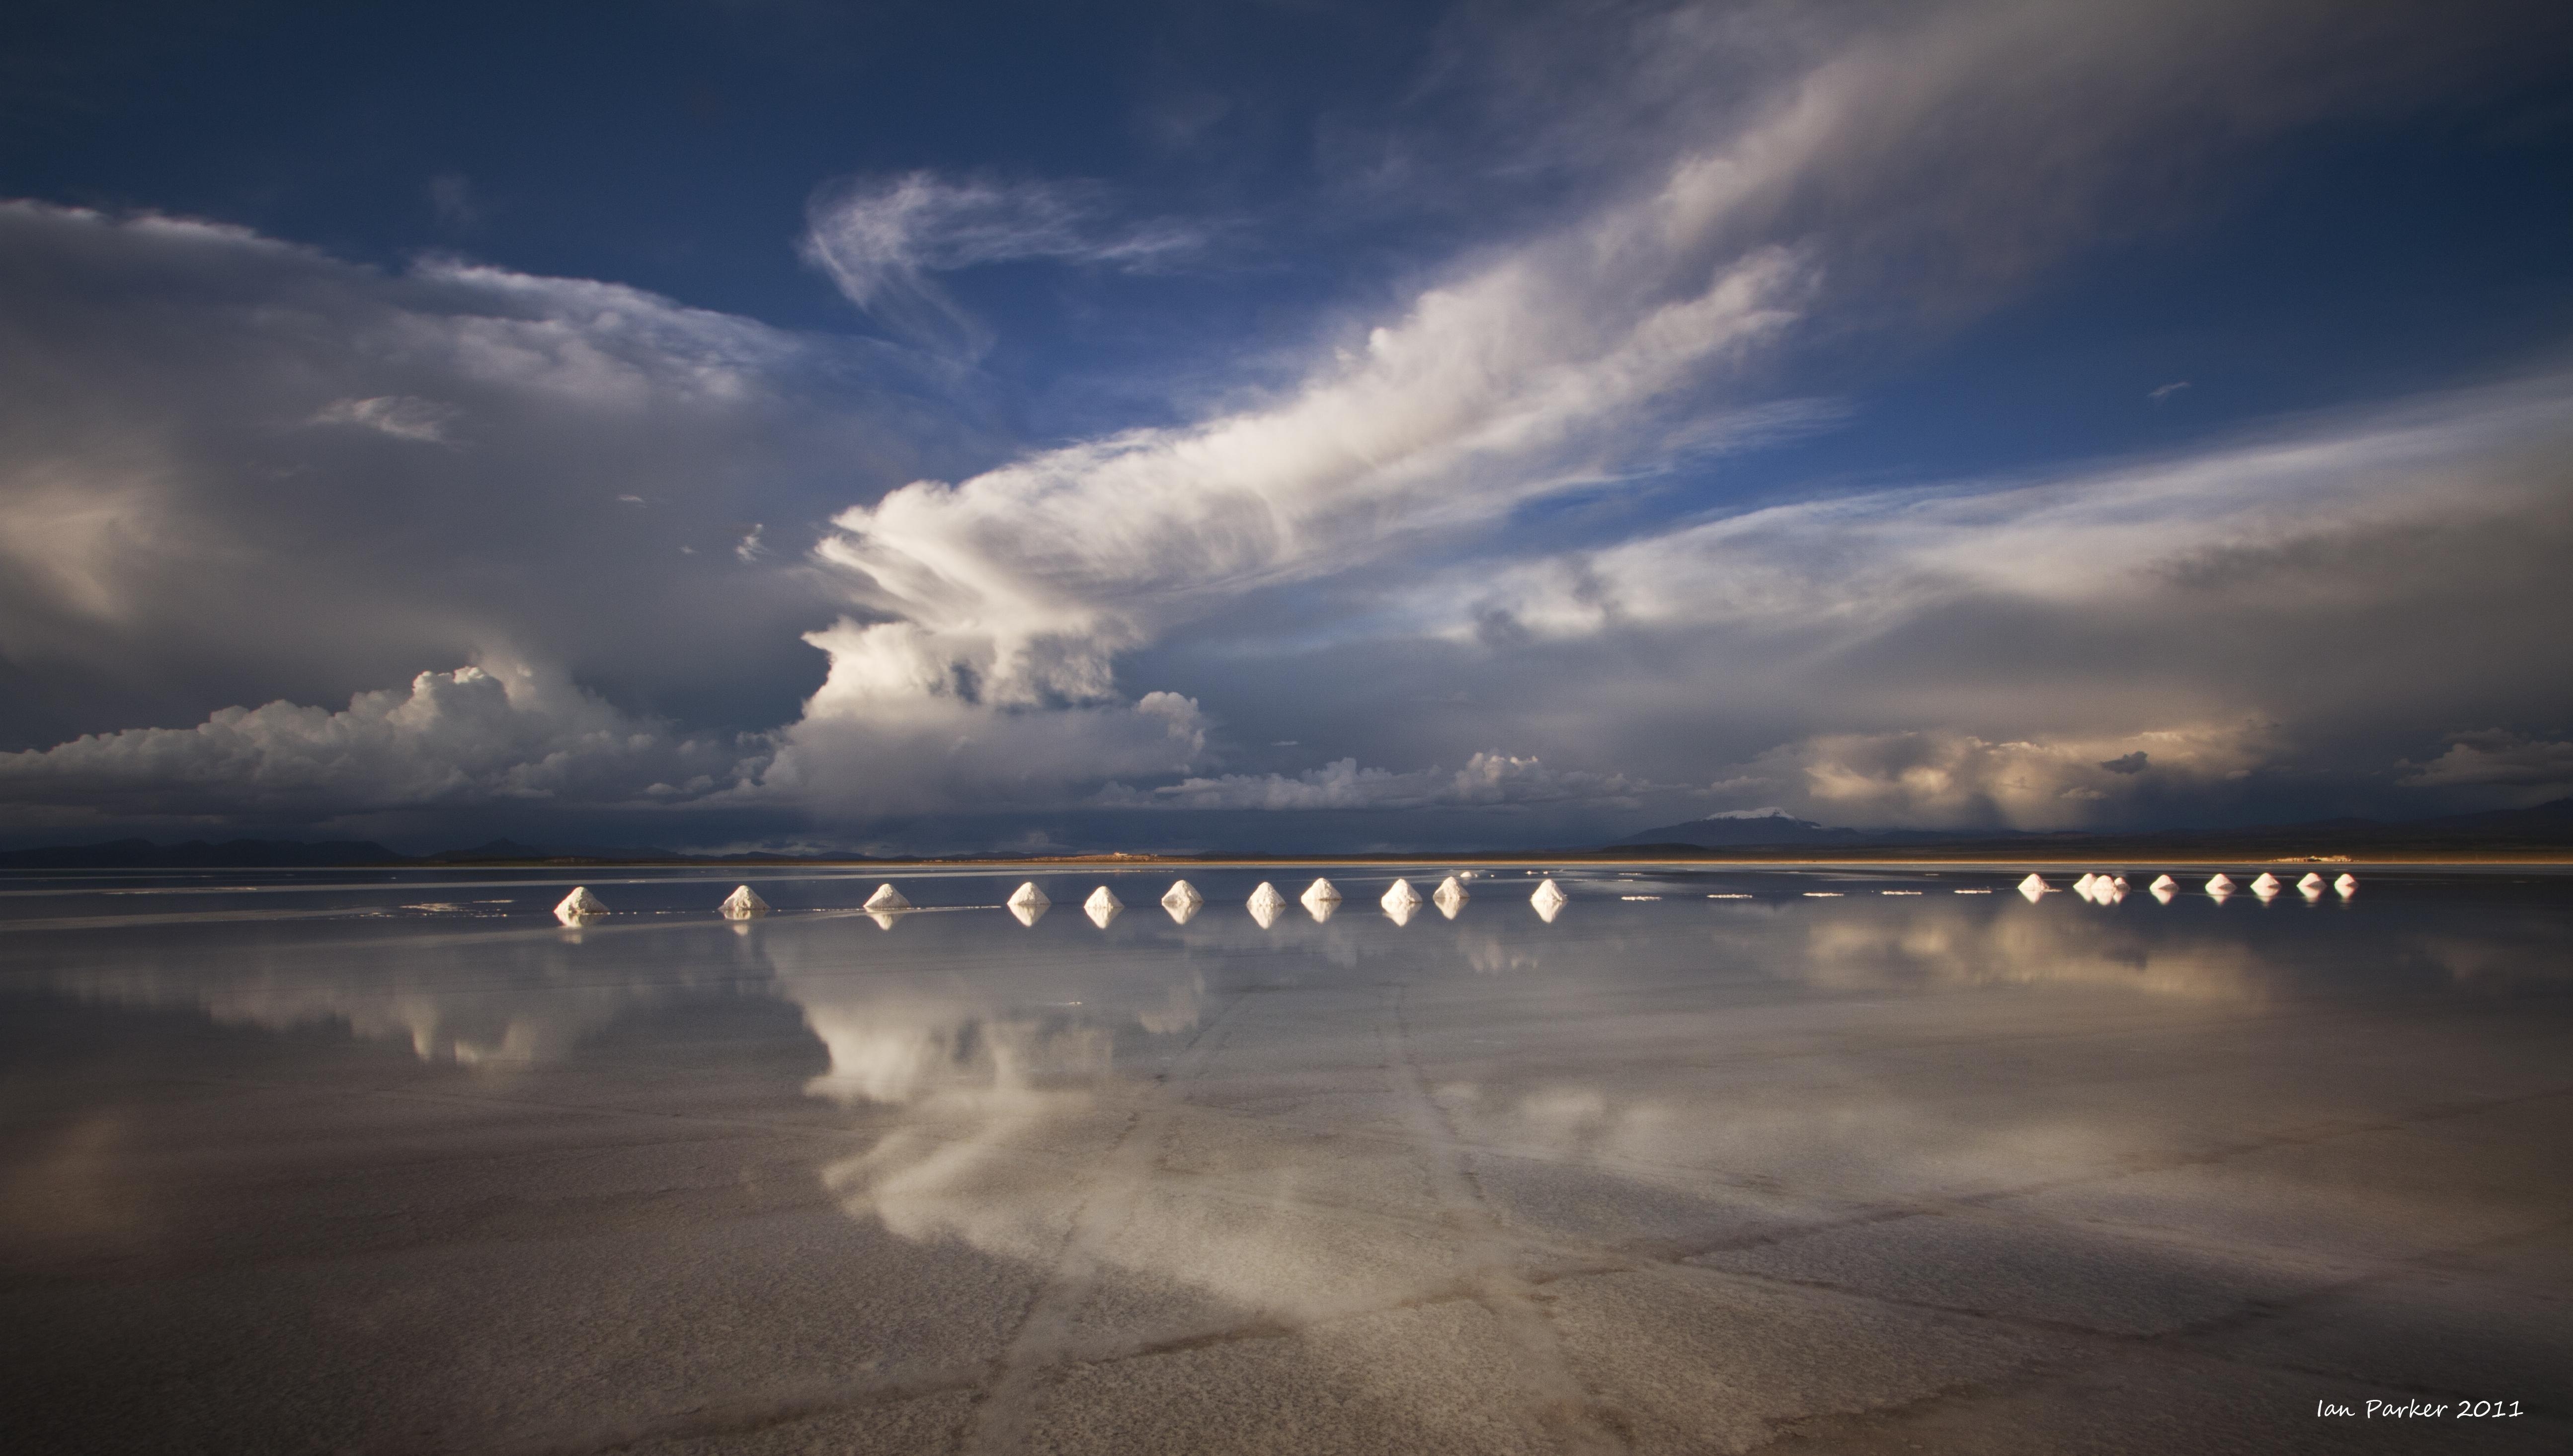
401 1164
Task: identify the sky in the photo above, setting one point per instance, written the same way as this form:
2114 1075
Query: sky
725 424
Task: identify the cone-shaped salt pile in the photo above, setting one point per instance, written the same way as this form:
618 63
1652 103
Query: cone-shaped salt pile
1266 897
1549 901
2163 882
2164 891
579 905
1318 893
1450 894
2083 884
1027 904
743 904
2032 884
2219 883
2267 883
2312 884
1400 893
1181 892
2345 884
886 898
1102 906
2118 881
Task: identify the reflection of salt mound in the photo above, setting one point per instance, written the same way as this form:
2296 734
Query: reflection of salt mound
886 898
1400 893
743 904
1320 894
579 905
1102 906
1449 896
2218 885
2164 891
1549 899
2163 882
2345 884
1401 912
884 919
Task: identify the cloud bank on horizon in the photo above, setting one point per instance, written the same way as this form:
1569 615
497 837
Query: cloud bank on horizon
1530 528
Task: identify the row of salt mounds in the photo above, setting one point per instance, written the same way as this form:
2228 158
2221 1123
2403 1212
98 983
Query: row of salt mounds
578 905
744 904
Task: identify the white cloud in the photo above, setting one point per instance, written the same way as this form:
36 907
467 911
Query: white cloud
399 416
1934 778
470 736
1488 780
880 239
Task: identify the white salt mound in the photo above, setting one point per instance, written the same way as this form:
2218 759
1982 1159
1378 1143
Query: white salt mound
1319 891
579 904
1179 894
1549 893
2267 883
2345 884
1400 893
2083 884
743 904
2312 884
2218 884
1449 894
886 898
1103 898
2032 884
1028 897
2164 881
1266 897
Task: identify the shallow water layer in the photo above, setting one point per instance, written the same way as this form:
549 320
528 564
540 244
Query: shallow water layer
1708 1162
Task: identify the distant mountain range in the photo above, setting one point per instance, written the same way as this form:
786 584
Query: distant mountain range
2545 827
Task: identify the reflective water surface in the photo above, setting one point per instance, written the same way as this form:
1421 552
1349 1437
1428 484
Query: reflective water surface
1706 1161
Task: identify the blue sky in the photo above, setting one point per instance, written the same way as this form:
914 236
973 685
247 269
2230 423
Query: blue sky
1277 426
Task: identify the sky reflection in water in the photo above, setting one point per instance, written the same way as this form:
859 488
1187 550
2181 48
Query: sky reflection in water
1154 1129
